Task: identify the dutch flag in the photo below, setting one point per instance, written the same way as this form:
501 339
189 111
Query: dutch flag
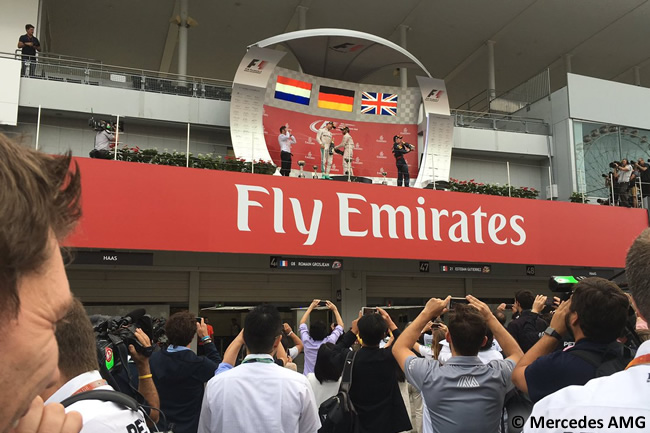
292 90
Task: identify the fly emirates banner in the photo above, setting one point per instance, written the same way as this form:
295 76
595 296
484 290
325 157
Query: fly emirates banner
148 207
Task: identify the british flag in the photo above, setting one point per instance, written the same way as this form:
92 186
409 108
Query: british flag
384 104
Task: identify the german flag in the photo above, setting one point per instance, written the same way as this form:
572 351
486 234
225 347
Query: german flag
335 99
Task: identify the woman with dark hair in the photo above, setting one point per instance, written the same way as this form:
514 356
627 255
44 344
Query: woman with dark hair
326 378
316 335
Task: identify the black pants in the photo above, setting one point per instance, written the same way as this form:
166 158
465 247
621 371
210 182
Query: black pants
285 169
624 194
402 172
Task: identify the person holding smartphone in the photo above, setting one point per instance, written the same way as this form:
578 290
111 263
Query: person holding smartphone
314 336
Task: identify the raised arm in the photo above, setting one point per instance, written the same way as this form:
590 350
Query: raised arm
146 386
509 345
313 305
337 315
402 347
296 340
233 349
545 345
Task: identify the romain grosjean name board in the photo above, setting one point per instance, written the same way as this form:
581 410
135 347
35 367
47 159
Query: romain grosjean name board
181 209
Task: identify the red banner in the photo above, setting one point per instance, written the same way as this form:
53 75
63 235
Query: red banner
148 207
373 142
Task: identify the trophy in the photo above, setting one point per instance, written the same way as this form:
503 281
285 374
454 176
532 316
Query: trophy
384 182
301 164
315 174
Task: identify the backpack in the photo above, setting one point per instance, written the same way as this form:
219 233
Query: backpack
516 404
337 414
615 358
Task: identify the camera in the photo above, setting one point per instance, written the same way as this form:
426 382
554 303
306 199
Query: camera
369 310
563 285
100 125
114 335
614 164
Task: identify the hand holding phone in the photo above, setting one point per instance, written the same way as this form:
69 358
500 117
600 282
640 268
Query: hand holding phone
453 301
369 310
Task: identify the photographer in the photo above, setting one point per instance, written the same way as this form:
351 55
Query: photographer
464 394
623 172
528 326
104 141
316 335
180 375
642 167
595 316
78 372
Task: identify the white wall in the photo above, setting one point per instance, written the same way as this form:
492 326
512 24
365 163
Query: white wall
111 101
10 79
608 102
15 14
500 141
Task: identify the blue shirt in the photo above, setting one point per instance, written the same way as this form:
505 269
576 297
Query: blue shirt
560 369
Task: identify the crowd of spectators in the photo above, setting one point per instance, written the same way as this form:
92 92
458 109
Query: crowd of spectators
452 369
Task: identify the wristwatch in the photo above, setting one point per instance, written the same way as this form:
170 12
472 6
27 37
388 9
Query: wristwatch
553 333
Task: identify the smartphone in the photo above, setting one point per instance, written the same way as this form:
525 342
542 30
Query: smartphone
198 319
322 304
436 325
454 301
369 310
509 306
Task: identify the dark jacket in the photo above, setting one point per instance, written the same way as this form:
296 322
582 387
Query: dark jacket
527 329
180 378
375 392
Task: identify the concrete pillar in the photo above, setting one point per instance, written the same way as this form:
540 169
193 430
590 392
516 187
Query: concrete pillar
567 63
353 295
403 78
637 75
182 39
302 17
492 92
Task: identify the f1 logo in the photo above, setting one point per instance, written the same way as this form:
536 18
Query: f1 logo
435 94
259 64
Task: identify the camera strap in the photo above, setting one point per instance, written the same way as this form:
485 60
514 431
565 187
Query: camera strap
640 360
91 386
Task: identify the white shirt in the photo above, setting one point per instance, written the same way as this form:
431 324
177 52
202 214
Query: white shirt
325 390
486 355
624 176
286 140
622 396
293 352
99 416
324 137
259 397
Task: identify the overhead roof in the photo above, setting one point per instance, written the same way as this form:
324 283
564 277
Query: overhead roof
601 38
342 54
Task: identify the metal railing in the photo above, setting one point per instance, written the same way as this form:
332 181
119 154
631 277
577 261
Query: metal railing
528 92
500 122
56 67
